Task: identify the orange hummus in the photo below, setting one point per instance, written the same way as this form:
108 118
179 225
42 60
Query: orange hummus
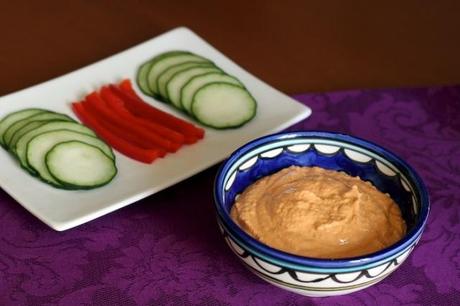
310 211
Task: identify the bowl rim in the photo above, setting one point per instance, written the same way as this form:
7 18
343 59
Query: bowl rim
291 259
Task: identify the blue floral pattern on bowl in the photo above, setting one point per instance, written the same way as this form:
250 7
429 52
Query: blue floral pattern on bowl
357 157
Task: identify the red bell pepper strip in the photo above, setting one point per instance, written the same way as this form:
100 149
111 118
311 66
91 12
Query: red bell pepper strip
173 135
119 144
96 106
127 86
117 106
142 109
127 135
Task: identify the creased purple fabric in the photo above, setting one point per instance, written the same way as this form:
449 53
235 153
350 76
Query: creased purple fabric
166 249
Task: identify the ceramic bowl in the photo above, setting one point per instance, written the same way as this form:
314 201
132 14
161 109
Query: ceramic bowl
357 157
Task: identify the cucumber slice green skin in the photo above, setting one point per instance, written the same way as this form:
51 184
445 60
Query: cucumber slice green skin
164 78
177 81
18 125
21 146
142 78
207 105
189 89
74 165
39 146
159 66
11 118
143 71
29 127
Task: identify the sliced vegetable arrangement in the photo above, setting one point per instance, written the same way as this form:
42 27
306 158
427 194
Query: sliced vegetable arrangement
57 149
133 127
69 155
198 87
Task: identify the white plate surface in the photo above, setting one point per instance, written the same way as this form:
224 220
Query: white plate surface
61 209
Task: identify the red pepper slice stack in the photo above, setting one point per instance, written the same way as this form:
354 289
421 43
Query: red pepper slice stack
132 126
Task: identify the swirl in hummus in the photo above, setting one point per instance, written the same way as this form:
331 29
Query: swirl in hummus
310 211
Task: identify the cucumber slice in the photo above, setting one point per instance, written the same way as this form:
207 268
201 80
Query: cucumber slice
18 125
38 147
180 78
159 66
223 105
164 78
195 83
143 71
30 127
21 145
78 165
11 118
142 78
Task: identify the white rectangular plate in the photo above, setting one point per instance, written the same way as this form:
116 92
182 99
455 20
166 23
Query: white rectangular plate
61 209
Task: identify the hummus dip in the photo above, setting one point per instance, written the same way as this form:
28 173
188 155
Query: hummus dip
310 211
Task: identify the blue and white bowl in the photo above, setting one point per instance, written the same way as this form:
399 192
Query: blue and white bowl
357 157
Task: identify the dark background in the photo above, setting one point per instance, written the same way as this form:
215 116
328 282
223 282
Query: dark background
296 46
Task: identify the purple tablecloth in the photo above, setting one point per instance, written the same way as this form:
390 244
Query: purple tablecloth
166 249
